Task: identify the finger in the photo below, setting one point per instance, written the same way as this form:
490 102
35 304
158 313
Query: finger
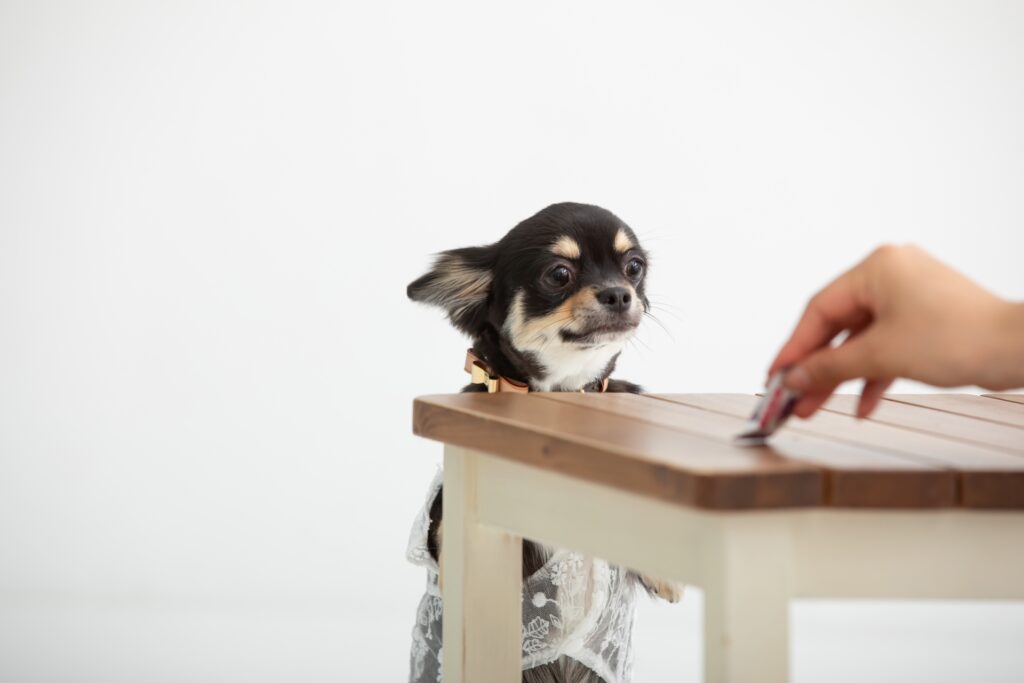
809 404
872 395
837 307
825 369
856 328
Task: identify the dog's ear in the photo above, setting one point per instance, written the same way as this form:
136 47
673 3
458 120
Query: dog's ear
460 283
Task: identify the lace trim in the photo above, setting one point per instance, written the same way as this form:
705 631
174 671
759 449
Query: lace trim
574 605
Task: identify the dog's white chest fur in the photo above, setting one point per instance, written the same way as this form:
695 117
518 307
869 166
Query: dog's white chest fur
570 367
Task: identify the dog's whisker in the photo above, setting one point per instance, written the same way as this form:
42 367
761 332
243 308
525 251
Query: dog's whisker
674 313
637 340
665 304
661 325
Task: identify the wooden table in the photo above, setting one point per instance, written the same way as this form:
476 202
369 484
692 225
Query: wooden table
922 501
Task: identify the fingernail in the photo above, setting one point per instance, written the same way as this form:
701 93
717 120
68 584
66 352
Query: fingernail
797 379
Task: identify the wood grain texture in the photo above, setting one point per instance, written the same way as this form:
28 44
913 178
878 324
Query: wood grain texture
1013 398
618 451
948 425
1005 413
986 477
856 476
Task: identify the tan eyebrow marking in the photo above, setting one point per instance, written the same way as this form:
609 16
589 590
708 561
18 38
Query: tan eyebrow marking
566 247
622 241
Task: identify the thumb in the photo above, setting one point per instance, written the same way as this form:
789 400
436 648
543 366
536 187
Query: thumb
827 368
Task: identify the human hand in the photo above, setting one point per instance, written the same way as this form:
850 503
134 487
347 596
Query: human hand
906 315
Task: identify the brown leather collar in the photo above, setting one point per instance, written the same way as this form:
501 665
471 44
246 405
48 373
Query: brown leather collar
480 373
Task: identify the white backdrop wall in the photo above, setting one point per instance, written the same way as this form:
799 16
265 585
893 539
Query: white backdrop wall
209 213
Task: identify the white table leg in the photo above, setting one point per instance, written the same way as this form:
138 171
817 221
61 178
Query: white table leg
482 584
747 589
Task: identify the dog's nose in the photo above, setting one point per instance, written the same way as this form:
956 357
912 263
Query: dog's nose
615 298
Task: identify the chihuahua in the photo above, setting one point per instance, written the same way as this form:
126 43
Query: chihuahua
549 307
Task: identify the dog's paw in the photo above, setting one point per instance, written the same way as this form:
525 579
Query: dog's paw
621 386
669 591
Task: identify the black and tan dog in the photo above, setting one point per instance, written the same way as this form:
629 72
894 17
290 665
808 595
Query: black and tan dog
549 307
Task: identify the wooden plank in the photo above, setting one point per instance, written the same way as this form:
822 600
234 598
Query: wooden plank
858 476
947 425
620 452
1013 398
1001 412
988 477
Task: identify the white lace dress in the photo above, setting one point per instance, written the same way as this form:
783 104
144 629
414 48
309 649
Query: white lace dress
574 605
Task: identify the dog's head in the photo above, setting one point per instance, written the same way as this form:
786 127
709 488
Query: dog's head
563 291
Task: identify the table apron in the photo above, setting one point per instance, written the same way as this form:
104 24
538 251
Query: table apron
814 553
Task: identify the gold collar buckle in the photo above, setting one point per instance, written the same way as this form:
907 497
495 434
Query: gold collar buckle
479 373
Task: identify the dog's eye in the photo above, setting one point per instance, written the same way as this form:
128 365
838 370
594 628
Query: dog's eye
634 269
559 276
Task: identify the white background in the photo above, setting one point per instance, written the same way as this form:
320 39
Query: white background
208 216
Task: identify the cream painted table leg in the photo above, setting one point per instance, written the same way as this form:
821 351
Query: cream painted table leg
747 587
481 575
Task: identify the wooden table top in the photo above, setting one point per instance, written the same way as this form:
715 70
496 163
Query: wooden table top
916 451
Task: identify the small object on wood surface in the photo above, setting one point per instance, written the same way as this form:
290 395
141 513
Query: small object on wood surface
771 412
